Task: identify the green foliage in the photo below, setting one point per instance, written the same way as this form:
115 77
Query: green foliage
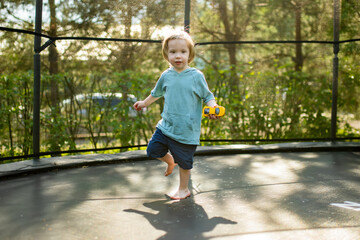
16 111
265 97
278 103
286 105
349 87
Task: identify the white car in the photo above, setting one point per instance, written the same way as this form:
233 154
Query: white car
81 102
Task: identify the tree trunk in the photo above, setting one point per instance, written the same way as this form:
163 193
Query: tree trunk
53 56
299 60
53 69
231 35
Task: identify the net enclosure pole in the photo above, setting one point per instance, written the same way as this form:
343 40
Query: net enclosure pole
336 32
187 16
37 77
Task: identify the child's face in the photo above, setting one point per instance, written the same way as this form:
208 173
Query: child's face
178 54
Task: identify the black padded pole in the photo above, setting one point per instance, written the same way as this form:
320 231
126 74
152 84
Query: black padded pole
37 77
336 21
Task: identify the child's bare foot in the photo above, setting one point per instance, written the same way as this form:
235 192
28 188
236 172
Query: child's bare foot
180 194
170 168
169 160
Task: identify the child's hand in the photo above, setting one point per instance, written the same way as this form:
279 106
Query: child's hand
213 117
139 105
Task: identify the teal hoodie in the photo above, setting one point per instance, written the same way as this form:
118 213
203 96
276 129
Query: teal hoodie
184 94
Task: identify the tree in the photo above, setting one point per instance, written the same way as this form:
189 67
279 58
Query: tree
349 70
236 18
16 51
299 20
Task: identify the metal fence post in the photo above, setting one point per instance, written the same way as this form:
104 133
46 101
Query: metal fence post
336 21
37 77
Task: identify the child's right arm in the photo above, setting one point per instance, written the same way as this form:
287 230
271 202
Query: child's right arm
143 104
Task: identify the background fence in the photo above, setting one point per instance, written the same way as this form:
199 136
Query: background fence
284 70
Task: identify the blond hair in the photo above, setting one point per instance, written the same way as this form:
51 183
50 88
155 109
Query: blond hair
179 35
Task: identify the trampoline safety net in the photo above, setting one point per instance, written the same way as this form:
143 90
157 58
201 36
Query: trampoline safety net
271 64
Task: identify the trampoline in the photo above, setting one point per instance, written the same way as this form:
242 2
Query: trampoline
269 195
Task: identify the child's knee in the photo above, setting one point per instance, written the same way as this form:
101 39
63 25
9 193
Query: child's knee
154 152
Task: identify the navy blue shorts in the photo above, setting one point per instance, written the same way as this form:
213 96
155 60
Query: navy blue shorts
160 144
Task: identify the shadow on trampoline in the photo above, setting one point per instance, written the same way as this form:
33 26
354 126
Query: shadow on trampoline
237 196
184 219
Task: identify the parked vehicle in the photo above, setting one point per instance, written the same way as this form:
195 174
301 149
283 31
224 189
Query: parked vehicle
84 103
